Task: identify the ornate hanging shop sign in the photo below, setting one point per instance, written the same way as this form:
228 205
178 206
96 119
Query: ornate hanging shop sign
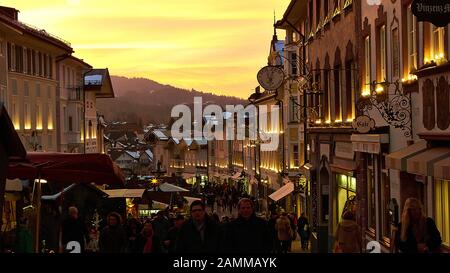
363 124
436 12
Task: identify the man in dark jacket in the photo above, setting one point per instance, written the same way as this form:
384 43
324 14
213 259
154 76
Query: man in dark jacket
73 229
172 235
200 234
248 233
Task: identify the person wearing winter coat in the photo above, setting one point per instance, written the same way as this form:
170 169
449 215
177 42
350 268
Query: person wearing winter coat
247 233
348 238
200 234
283 227
113 238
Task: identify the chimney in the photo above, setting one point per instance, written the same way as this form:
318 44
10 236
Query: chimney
11 13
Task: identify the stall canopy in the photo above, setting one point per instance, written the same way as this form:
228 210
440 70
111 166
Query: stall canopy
70 168
125 193
282 192
167 187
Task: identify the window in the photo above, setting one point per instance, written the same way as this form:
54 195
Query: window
19 59
293 63
14 86
442 209
349 90
412 40
337 94
50 62
27 114
34 62
395 53
65 119
29 61
38 117
9 53
317 98
293 109
383 54
90 130
38 90
318 8
25 60
15 115
326 96
44 56
346 190
438 42
50 141
26 89
40 64
49 92
70 123
367 66
49 117
295 155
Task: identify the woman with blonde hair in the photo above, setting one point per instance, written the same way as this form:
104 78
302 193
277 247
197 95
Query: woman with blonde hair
416 233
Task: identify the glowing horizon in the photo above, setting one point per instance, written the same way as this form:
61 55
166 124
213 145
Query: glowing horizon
212 46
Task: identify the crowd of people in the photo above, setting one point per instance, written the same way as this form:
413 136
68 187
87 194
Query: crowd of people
199 233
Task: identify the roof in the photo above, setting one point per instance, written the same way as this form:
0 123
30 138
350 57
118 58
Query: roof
33 31
295 10
98 80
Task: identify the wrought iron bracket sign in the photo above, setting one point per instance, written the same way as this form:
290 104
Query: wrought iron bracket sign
436 12
394 108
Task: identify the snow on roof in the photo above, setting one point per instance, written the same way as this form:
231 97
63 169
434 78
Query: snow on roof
160 135
149 153
133 154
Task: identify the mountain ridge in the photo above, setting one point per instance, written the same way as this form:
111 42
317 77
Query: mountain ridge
146 101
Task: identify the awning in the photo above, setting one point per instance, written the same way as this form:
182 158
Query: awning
167 187
13 185
282 192
191 199
125 193
68 168
423 163
442 169
398 159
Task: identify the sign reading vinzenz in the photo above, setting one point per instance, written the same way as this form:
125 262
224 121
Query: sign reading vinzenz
436 12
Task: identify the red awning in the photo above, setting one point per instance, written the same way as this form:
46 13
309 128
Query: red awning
68 168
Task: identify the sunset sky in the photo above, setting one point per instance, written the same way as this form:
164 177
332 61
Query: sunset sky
208 45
